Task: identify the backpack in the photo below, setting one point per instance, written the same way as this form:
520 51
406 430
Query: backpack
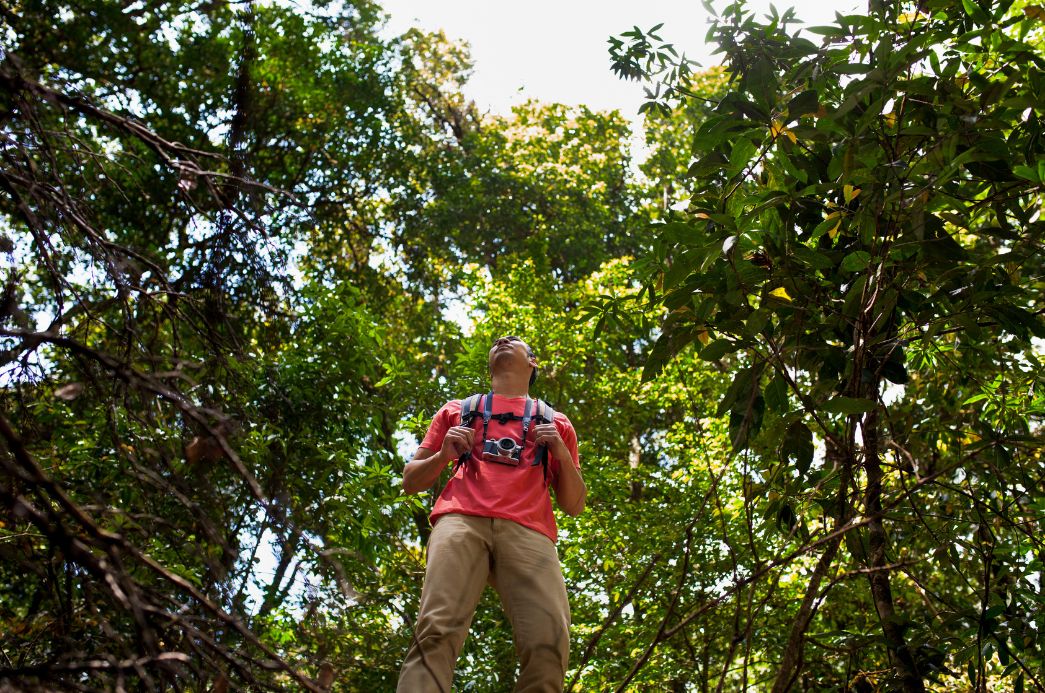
536 410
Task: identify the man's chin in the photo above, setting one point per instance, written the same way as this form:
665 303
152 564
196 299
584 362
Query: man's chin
500 357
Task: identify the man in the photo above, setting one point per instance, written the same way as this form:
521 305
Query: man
494 523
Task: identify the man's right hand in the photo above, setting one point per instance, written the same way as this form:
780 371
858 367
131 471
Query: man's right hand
458 440
421 472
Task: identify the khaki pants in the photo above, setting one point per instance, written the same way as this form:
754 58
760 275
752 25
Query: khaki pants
464 553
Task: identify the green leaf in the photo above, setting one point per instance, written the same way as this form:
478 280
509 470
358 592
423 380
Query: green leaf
848 405
934 62
776 394
804 103
797 447
975 11
756 322
708 164
829 31
854 297
760 80
681 266
740 388
743 151
856 544
745 420
851 69
719 348
895 372
856 261
813 258
786 518
664 349
1028 173
824 226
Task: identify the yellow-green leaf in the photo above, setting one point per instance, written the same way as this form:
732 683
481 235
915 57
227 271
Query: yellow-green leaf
776 129
833 231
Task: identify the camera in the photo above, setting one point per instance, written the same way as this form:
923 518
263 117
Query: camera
503 451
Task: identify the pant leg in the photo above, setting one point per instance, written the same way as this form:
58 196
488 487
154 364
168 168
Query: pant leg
457 570
529 579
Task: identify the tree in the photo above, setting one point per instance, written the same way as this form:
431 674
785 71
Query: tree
150 228
217 213
861 253
236 244
548 183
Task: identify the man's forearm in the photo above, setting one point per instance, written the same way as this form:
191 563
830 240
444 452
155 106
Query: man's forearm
570 491
422 471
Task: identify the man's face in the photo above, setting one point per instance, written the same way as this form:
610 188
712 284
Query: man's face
511 353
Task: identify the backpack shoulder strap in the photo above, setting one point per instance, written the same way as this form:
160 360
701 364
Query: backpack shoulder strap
469 409
545 411
546 414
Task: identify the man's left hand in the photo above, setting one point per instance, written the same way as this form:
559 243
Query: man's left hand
548 435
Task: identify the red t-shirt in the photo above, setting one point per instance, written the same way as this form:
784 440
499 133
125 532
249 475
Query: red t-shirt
492 489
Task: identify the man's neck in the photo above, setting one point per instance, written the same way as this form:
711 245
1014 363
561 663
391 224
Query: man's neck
507 386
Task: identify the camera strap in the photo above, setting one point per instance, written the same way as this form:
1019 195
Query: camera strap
526 420
470 410
488 414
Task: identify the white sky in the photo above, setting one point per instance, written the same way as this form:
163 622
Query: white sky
556 51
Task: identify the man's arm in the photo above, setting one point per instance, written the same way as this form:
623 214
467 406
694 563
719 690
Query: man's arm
570 491
421 472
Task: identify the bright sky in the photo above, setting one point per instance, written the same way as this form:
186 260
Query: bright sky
556 50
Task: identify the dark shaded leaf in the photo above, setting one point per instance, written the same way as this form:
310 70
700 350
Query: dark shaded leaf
856 261
797 447
719 348
847 405
895 372
776 394
804 103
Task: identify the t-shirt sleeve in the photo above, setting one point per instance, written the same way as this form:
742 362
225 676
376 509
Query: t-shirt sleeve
569 436
442 421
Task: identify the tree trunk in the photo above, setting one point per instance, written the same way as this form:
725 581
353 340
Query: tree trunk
790 665
881 590
272 593
791 662
634 458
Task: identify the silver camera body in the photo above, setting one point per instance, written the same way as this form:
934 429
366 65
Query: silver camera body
502 450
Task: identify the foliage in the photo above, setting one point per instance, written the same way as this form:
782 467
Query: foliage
861 251
221 319
165 420
549 183
247 250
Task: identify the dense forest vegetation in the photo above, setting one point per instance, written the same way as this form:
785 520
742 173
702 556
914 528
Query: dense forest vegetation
248 249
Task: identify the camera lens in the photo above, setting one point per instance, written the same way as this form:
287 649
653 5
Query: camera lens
506 444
